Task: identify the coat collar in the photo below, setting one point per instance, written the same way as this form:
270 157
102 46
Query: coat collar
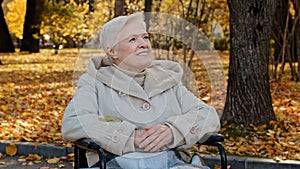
160 76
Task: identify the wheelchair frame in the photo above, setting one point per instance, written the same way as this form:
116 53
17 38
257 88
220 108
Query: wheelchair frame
82 145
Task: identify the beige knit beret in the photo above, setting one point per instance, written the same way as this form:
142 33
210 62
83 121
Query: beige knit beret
109 35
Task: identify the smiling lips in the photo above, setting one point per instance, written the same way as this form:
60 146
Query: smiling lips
143 53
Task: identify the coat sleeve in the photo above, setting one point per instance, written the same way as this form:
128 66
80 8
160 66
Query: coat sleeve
196 119
81 120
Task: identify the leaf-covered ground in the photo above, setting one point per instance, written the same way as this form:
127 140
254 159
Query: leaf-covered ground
36 88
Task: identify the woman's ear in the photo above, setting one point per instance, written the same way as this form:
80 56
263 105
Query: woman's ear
112 53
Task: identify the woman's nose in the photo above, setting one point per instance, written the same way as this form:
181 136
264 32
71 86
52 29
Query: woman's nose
143 43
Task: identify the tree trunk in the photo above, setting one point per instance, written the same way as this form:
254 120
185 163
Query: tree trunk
119 7
248 98
31 31
148 6
6 44
147 10
91 6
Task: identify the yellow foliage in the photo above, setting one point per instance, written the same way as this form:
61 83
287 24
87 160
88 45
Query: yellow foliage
15 17
36 36
60 20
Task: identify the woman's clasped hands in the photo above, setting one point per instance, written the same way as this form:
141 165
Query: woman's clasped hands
153 138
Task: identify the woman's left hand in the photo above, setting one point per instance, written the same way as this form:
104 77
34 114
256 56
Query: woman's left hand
155 137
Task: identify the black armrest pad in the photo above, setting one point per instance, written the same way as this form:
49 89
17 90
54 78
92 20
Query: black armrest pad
88 144
214 138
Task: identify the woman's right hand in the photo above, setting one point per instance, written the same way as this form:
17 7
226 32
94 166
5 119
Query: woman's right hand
153 138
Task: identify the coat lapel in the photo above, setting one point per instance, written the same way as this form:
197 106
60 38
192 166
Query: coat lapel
119 81
159 79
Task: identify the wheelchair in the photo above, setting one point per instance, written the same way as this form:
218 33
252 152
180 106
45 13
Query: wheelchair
82 145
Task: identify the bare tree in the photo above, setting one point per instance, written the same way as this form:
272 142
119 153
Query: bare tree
248 98
297 33
284 33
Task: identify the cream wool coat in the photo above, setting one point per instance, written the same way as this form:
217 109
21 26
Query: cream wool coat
109 105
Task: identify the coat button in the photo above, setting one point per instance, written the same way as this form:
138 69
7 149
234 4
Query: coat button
115 138
146 106
121 93
193 130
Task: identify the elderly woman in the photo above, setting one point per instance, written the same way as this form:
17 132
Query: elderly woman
134 107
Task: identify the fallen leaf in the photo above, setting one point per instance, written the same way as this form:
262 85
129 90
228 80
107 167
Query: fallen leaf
44 168
11 149
53 160
2 155
61 166
22 159
34 157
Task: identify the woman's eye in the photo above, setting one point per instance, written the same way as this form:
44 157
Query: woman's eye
146 37
131 39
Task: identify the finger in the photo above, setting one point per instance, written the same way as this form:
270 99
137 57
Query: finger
154 146
155 130
154 135
162 140
151 134
139 133
149 131
147 141
138 137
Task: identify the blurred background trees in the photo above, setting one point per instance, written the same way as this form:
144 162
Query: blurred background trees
286 38
72 22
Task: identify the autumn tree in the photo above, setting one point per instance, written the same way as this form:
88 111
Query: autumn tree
248 98
66 23
6 44
15 16
31 30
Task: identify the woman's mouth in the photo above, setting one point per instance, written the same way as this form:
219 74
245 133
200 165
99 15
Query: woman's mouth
143 53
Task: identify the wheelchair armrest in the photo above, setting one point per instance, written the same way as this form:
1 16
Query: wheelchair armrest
214 138
87 144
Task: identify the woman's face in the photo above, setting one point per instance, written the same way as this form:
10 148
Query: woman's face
133 52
